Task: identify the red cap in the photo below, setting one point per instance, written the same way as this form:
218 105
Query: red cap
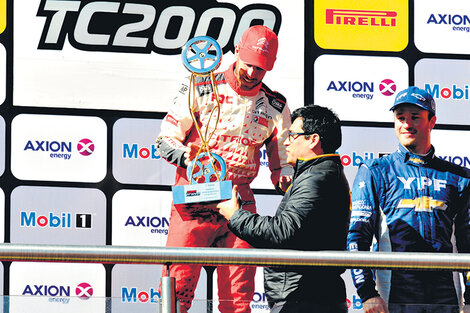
258 47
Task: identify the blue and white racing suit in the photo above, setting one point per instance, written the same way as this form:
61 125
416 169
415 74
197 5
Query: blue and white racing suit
404 202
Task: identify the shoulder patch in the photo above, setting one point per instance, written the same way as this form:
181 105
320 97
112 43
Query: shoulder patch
203 84
183 88
275 99
370 163
380 163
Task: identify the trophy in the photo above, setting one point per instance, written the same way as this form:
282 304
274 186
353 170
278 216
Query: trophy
206 172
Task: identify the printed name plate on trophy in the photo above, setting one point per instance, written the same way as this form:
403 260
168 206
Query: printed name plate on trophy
206 176
206 173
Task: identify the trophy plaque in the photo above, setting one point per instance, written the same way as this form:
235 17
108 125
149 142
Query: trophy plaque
206 172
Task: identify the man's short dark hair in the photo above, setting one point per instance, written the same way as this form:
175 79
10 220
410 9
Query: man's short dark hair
322 121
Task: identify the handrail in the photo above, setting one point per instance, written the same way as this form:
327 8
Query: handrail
224 256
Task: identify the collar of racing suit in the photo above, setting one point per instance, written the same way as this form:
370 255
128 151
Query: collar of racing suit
414 159
232 81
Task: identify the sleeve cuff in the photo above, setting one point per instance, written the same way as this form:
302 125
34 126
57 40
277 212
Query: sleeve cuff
366 293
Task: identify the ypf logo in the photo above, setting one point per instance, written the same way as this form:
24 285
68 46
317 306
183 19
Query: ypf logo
84 291
85 147
387 87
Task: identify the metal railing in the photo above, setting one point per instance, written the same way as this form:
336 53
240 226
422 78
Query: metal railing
223 256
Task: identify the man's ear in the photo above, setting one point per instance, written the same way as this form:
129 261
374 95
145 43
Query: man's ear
315 141
433 121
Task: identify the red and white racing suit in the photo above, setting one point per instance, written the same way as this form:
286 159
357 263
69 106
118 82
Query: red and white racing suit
248 120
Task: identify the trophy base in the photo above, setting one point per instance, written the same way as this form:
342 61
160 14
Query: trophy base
215 191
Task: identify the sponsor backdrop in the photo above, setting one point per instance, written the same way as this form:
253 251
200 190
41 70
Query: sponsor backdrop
85 84
57 287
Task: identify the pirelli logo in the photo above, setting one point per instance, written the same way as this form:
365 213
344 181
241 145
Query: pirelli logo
368 25
361 17
3 15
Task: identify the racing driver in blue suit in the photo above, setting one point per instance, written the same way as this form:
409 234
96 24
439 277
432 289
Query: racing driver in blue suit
410 201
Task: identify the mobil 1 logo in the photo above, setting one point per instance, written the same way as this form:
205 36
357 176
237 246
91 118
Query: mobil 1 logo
82 220
58 215
140 26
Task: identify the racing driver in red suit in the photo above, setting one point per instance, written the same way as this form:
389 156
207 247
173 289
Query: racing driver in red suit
251 115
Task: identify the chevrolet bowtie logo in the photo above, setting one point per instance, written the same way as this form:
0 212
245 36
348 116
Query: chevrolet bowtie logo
416 160
423 204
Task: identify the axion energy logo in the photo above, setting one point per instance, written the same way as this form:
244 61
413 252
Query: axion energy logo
448 149
155 224
364 25
85 147
259 302
457 22
58 293
447 20
84 291
264 162
359 88
60 149
461 160
53 285
3 15
50 147
149 222
365 89
387 87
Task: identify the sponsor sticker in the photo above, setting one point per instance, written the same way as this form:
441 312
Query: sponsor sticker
170 119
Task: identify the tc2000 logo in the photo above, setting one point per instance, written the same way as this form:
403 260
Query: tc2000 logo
139 26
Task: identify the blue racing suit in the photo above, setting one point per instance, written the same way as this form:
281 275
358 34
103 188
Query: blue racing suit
409 203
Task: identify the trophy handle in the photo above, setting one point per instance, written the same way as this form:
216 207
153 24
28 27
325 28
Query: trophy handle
206 171
201 55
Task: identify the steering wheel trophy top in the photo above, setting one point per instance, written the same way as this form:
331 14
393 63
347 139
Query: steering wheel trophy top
201 55
206 172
